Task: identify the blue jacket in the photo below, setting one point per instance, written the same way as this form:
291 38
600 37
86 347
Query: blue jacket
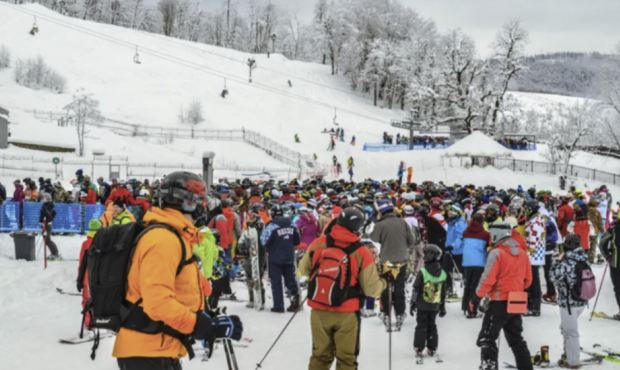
454 238
280 238
474 252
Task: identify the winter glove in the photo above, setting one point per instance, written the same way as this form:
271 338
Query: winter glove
205 330
442 311
412 308
449 249
228 327
472 306
79 285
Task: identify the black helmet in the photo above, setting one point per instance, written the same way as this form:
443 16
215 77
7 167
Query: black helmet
532 207
352 219
572 241
432 253
183 191
277 211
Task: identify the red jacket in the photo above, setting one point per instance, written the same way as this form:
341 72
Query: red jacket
565 215
90 198
230 223
507 270
220 224
85 291
120 193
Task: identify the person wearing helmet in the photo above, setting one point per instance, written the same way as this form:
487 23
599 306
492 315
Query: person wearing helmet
507 270
336 328
397 245
164 294
535 236
564 274
280 238
429 299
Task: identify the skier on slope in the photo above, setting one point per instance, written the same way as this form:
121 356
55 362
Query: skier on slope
336 327
429 299
507 270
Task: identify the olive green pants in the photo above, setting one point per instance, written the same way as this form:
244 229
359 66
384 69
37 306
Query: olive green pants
336 335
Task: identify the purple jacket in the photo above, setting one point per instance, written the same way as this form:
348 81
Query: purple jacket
308 227
18 194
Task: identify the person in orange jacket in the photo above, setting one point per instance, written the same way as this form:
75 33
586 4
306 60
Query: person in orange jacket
163 294
507 270
82 284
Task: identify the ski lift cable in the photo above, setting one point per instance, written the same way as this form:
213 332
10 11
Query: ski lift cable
189 64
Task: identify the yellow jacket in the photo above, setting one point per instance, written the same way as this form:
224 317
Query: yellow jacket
168 297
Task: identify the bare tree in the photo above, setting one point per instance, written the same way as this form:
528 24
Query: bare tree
509 49
168 10
193 115
82 111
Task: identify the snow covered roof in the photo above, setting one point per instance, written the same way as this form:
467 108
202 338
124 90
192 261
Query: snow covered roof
478 144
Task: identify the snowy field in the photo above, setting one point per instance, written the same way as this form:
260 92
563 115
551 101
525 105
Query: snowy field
33 316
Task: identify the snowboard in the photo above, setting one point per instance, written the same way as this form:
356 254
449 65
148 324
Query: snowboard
257 283
62 291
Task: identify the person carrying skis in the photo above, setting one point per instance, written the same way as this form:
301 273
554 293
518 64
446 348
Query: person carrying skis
429 299
507 270
335 324
46 218
163 295
397 244
564 274
280 238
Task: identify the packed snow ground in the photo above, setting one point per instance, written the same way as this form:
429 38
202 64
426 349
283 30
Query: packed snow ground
33 316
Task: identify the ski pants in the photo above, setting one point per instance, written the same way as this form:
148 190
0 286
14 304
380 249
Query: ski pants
398 293
471 275
593 248
495 320
334 334
247 267
614 273
277 272
48 240
451 263
149 363
569 327
547 268
534 293
426 330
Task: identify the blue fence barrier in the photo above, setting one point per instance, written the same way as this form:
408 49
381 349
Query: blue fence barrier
70 217
370 147
9 217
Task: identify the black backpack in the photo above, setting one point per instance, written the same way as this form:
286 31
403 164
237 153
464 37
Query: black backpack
108 261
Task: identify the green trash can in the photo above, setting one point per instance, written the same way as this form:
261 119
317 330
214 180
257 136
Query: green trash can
24 245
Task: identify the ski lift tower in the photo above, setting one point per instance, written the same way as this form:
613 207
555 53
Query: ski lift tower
410 124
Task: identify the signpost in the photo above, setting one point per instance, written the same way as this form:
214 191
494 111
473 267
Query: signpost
55 161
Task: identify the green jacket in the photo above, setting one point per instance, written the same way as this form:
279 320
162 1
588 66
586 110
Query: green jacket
207 251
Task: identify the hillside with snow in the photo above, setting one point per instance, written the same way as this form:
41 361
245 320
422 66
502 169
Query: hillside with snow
98 59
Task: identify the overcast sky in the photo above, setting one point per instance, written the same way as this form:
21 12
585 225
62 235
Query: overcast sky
554 25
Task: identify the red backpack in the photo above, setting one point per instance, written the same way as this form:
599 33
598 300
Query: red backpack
331 275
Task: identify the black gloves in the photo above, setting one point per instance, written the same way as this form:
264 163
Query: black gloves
442 311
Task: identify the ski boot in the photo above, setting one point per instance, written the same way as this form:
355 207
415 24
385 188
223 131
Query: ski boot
488 365
419 356
550 298
616 316
387 322
250 304
295 304
544 357
400 319
532 313
277 310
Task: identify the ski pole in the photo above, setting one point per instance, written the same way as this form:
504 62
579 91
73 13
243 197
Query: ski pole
598 294
390 324
260 363
231 352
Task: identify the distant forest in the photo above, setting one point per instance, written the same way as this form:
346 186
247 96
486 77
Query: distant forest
576 74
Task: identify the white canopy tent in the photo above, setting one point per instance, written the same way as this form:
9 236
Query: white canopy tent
476 149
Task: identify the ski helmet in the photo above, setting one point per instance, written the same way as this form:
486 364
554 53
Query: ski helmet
352 219
531 206
572 241
385 206
408 210
182 191
499 231
277 211
432 253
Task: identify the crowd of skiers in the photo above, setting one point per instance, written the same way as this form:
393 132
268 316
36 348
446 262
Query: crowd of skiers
356 246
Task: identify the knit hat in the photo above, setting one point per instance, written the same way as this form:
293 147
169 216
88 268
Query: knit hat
93 226
572 241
